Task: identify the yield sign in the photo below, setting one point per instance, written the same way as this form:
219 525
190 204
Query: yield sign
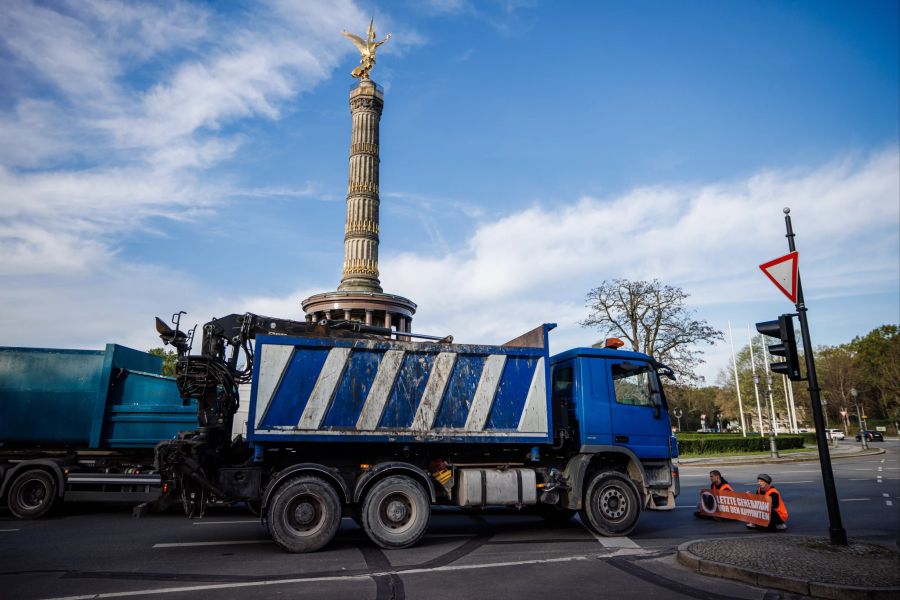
783 273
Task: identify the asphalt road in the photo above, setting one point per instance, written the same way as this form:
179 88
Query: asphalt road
91 551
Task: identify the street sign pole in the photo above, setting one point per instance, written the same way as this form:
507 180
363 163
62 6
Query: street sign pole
836 529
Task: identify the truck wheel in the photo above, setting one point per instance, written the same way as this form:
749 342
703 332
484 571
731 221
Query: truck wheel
611 504
554 514
304 514
32 494
396 512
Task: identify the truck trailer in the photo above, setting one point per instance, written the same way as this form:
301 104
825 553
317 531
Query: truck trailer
351 420
82 425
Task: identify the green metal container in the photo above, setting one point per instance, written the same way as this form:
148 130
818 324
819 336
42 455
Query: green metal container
112 398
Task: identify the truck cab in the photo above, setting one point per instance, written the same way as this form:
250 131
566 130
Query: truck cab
612 406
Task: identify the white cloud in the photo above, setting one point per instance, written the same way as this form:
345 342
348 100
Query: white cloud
92 149
535 265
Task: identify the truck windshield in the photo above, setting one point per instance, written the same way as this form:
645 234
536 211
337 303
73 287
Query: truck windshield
635 384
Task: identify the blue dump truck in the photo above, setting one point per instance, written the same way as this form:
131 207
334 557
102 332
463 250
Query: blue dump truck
351 420
83 425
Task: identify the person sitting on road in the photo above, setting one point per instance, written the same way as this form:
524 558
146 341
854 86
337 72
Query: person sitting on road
778 516
717 483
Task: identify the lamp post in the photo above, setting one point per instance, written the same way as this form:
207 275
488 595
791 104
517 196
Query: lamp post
862 436
678 414
844 420
719 422
773 447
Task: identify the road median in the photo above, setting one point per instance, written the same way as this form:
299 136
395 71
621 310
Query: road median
805 565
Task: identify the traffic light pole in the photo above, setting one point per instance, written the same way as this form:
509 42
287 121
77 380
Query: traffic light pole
836 527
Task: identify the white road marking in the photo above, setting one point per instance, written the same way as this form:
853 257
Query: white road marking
784 482
888 502
8 530
854 499
863 479
228 543
248 584
611 542
886 495
226 522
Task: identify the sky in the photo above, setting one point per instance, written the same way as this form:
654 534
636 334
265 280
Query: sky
167 156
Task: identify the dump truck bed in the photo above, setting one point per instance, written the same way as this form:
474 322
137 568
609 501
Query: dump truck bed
372 390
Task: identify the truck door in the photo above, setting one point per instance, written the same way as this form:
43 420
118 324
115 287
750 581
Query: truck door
639 416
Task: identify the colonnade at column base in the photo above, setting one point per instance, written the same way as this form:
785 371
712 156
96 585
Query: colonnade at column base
371 308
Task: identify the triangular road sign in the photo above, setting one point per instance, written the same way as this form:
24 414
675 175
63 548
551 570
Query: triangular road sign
783 273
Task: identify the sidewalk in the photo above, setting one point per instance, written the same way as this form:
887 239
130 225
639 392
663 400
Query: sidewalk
799 564
841 451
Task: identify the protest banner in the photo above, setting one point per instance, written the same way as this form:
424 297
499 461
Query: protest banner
740 506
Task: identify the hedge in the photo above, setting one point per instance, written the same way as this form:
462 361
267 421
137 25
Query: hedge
711 443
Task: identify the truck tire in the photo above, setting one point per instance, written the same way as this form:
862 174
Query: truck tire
32 494
611 504
395 512
304 514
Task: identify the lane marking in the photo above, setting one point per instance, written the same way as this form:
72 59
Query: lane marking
226 522
862 479
886 495
888 502
8 530
228 543
611 542
248 584
784 482
854 499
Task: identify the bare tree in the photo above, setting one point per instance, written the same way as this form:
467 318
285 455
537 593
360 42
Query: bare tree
654 319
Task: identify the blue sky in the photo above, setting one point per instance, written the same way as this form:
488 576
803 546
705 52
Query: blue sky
192 156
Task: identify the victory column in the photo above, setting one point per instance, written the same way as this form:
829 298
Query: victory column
359 296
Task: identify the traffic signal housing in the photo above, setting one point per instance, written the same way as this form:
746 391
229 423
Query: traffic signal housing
783 330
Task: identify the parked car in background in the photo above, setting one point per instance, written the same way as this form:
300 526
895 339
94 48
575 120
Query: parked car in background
871 436
835 434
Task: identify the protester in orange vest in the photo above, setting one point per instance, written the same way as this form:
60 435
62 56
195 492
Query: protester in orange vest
717 483
779 515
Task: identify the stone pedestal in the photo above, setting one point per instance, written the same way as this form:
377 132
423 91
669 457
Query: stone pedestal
359 296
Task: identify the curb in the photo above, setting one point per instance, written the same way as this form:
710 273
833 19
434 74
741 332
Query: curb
729 461
794 585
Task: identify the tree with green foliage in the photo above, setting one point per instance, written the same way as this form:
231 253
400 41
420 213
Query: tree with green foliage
877 356
168 356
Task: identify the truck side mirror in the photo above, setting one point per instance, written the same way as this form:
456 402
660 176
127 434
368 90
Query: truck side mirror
656 402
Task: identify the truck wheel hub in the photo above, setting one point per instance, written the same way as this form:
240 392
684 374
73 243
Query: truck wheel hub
305 513
397 512
613 504
33 493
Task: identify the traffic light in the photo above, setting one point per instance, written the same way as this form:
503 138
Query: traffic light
783 330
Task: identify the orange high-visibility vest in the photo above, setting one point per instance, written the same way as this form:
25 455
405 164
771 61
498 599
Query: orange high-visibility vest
725 487
781 509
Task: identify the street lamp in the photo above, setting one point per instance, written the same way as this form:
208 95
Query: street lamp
678 414
844 420
773 447
862 435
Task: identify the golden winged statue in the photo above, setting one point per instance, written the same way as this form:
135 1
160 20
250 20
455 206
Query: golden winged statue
366 49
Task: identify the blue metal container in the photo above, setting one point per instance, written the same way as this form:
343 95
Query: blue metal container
308 389
115 398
